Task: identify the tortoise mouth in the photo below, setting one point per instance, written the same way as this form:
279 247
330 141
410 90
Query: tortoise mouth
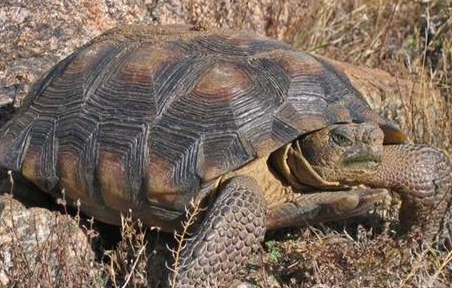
363 159
371 162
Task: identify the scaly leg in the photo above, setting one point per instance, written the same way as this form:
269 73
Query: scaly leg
233 227
324 206
422 175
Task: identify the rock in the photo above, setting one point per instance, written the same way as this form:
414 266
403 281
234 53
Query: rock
41 246
40 33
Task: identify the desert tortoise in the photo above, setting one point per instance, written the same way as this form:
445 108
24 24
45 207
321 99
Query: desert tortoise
151 118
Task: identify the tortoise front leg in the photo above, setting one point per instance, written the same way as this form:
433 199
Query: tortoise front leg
233 227
422 176
306 209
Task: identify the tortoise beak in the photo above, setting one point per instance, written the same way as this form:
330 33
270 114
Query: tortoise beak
363 155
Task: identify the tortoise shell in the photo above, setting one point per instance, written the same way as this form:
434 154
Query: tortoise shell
142 116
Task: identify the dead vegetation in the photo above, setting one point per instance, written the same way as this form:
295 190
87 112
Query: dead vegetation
412 40
357 257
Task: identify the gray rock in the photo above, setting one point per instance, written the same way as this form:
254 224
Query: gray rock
40 33
41 245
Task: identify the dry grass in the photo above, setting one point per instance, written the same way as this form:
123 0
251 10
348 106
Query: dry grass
125 265
193 212
412 39
359 258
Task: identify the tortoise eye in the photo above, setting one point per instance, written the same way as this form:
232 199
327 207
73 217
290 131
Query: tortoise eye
341 139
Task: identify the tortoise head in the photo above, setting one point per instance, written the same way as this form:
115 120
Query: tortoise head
346 153
337 155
